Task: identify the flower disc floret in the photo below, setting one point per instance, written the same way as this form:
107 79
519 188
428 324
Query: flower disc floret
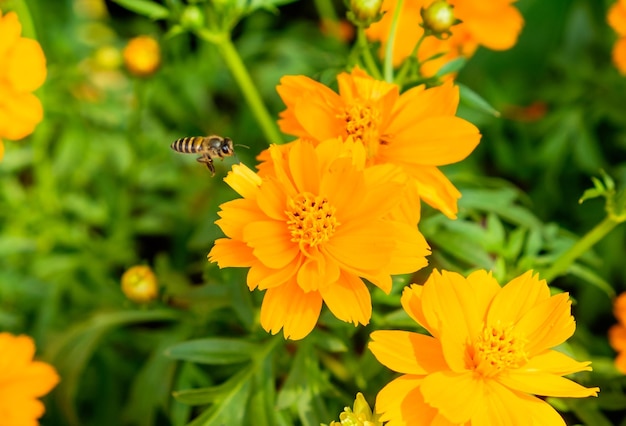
312 229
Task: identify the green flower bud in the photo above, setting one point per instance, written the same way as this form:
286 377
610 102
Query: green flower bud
192 17
438 18
364 13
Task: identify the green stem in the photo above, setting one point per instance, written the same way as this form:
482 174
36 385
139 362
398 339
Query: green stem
407 63
242 77
364 46
391 41
561 265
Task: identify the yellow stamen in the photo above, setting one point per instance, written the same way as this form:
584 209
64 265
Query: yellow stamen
311 221
363 122
498 348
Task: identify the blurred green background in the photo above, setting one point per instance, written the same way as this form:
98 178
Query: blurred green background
97 189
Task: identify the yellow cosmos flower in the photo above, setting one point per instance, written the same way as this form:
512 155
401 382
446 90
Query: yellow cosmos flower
488 354
360 415
617 20
617 333
142 56
22 381
23 70
416 130
494 24
139 284
311 231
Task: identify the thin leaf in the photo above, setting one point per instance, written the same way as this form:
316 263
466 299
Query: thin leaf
475 101
146 8
216 351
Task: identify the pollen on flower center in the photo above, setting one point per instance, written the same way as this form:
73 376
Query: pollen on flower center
363 124
498 348
311 220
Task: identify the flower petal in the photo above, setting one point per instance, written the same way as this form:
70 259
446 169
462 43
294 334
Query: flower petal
417 104
348 299
304 167
545 384
401 404
291 309
10 30
243 180
517 297
435 188
271 243
554 362
317 272
263 277
26 69
410 251
272 199
406 352
457 396
236 214
231 253
20 113
412 303
353 247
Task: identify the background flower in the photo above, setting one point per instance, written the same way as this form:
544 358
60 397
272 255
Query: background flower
416 130
617 20
617 333
488 353
23 70
312 231
22 381
494 24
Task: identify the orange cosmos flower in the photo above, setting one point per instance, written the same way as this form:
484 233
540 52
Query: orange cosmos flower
617 333
311 231
22 381
23 70
142 56
488 353
494 24
416 130
617 20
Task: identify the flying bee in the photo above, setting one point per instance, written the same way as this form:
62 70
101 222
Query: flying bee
209 148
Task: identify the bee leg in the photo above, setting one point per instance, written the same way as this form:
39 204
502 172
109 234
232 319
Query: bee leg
209 163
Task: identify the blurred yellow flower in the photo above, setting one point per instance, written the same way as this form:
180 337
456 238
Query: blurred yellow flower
139 284
494 24
142 56
488 353
617 20
311 231
416 130
22 381
23 70
360 415
617 333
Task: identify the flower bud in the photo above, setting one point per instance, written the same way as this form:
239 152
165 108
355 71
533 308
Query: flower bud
142 56
438 18
192 17
363 13
139 284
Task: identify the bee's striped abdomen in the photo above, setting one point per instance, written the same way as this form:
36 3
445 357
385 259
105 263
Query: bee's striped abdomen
188 145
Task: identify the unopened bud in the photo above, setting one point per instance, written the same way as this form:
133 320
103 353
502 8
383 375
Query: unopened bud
139 284
438 18
364 13
192 17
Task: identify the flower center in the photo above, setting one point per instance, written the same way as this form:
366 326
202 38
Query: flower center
498 348
363 124
311 220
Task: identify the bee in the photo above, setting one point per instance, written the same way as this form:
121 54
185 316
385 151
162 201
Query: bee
209 147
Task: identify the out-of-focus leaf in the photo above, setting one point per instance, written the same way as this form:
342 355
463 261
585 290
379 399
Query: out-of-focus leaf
475 101
213 351
146 8
453 66
590 276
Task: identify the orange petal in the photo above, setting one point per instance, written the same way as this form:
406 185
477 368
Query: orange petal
236 214
619 55
547 324
10 30
410 251
434 141
417 104
231 253
317 272
35 380
352 247
272 199
616 17
504 407
401 404
348 299
435 188
304 167
545 384
497 29
271 243
291 309
406 352
554 362
412 303
457 396
19 114
484 287
617 337
243 180
26 69
262 277
620 362
517 297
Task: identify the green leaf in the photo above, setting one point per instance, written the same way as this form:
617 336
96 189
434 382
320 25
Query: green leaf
475 101
146 8
453 66
592 278
217 351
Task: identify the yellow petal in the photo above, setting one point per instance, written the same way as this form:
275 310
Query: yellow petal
434 141
412 303
435 188
517 297
10 30
304 167
554 362
417 104
263 277
410 251
289 308
401 404
271 243
348 299
317 272
236 214
457 396
26 69
19 113
406 352
545 384
352 246
243 180
272 199
231 253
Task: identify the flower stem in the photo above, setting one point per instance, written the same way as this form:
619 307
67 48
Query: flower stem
242 77
370 63
391 41
407 63
561 265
